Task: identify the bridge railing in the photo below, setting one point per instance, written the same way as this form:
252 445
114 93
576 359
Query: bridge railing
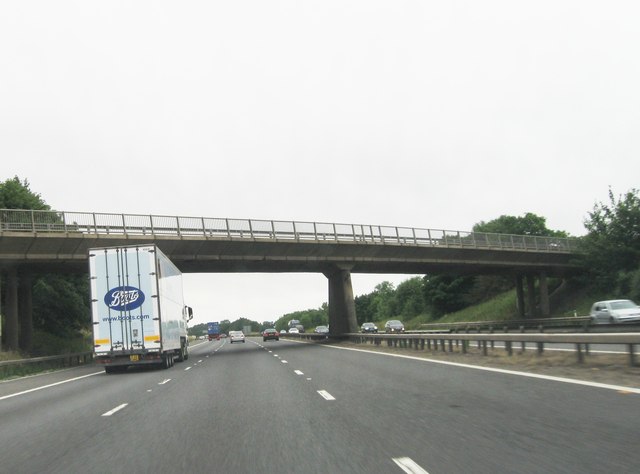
141 224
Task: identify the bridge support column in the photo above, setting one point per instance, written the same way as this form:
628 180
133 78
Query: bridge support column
25 311
544 294
520 304
342 306
1 312
531 296
11 311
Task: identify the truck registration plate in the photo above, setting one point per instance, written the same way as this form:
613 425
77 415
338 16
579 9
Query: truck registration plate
134 357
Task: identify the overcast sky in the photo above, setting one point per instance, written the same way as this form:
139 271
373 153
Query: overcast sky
404 113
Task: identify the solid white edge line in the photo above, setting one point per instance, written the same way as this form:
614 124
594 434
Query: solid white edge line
500 371
326 395
50 385
409 466
118 408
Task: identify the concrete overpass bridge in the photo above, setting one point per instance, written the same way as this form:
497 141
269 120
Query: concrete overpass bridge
34 242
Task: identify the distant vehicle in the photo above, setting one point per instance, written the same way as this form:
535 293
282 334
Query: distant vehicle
213 331
321 330
270 333
393 326
236 336
136 294
615 311
294 323
223 335
294 331
283 331
369 327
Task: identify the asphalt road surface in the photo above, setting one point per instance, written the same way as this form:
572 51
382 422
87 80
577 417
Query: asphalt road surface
292 407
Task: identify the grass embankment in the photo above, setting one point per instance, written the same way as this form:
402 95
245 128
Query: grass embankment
44 344
568 301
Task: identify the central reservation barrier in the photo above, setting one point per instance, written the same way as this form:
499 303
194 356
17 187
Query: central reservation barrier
446 342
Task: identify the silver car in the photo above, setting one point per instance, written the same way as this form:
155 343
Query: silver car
615 311
236 336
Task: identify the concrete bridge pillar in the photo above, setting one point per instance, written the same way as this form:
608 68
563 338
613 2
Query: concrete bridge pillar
25 312
342 306
528 307
531 295
520 304
544 294
11 311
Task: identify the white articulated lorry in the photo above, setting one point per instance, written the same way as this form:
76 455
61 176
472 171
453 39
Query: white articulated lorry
137 306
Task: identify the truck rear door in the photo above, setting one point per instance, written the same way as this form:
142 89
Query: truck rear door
124 299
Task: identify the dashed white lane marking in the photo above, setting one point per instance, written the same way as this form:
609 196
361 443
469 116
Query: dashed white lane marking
326 395
409 465
298 372
164 381
188 368
285 362
199 361
118 408
50 385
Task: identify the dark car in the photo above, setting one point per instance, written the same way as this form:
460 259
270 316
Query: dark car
321 330
270 334
369 327
393 326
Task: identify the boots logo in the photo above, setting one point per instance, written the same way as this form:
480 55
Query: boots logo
124 298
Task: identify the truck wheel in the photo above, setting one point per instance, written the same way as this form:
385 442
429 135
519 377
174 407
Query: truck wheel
181 356
186 352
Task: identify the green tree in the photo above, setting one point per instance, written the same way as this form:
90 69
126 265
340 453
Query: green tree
612 246
410 299
60 302
446 293
16 194
384 303
365 310
529 224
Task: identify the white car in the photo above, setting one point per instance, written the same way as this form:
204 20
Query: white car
294 331
236 336
614 311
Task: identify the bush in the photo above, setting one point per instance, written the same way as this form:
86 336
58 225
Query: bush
45 344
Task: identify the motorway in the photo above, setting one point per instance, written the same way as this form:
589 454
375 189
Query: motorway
292 407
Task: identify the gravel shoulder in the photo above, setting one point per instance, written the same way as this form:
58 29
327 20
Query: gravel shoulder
612 369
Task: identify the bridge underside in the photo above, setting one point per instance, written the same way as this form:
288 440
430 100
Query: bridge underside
68 253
